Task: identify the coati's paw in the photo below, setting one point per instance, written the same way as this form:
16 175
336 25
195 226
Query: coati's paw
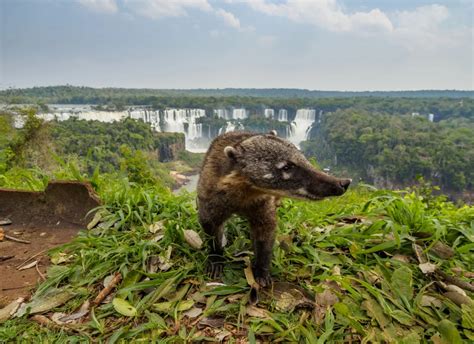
215 266
262 277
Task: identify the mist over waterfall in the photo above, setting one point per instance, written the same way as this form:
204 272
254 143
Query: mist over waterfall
301 125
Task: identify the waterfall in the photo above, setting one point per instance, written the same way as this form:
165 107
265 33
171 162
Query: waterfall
239 114
300 127
228 115
269 113
282 115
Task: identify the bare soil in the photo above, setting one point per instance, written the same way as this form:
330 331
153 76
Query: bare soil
46 219
15 283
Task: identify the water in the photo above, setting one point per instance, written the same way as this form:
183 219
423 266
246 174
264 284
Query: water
197 135
191 186
300 127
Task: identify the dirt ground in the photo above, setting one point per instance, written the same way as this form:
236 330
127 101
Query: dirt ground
44 218
16 283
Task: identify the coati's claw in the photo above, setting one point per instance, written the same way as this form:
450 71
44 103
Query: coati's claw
215 266
262 277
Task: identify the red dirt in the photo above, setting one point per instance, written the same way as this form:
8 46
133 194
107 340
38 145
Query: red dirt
45 219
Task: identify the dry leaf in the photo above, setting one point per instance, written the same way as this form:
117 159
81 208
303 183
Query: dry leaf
165 260
29 266
84 310
193 312
427 300
45 302
193 239
456 289
95 220
256 312
10 309
156 227
428 268
2 234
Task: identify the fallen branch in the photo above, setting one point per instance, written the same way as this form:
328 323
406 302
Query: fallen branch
9 237
3 258
106 291
39 272
454 280
30 258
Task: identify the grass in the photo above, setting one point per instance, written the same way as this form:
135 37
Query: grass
344 271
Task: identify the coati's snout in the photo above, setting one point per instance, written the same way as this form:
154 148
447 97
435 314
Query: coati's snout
276 166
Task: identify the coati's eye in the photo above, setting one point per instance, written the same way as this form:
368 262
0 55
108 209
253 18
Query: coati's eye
288 166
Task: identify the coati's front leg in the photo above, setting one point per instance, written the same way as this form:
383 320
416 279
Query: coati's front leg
263 225
212 221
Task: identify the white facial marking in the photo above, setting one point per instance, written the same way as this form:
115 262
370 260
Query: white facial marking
268 176
280 164
302 191
286 175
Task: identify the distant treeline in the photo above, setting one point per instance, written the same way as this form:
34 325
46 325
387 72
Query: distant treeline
443 104
81 95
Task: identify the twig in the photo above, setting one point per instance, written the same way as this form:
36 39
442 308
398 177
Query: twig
39 272
3 258
9 237
30 258
454 280
106 291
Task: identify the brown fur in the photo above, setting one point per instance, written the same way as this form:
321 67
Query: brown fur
246 174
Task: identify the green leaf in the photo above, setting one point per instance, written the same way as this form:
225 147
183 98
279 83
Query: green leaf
375 311
449 332
123 307
402 282
402 317
468 316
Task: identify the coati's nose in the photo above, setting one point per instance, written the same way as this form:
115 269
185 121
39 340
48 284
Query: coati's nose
345 183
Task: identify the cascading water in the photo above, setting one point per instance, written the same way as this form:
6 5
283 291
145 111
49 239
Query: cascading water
239 114
282 115
174 120
301 125
197 135
147 116
269 113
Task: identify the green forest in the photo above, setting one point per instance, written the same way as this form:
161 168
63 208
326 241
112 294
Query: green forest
394 151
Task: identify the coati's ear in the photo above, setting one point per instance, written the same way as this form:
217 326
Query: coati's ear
273 132
231 152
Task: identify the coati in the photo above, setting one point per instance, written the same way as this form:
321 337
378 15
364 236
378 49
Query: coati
246 174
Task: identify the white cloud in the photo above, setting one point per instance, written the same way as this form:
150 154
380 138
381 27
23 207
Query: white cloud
156 9
327 14
106 6
229 18
421 27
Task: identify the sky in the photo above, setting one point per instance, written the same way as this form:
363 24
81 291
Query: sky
311 44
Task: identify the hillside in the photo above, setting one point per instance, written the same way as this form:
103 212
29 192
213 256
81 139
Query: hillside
373 266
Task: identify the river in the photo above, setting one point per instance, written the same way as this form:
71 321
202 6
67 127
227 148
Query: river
189 186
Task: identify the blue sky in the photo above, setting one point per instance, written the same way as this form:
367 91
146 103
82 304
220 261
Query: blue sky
313 44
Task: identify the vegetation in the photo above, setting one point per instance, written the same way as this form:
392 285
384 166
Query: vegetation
353 268
80 95
121 149
370 266
394 150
